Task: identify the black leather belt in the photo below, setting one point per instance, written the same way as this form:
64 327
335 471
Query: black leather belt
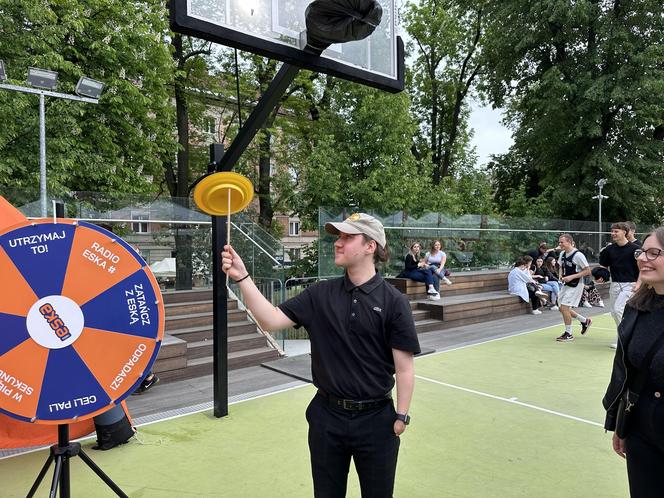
354 405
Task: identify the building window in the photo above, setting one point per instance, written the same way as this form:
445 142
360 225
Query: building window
293 228
210 125
139 226
295 254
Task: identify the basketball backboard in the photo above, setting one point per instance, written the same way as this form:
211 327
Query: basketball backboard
272 28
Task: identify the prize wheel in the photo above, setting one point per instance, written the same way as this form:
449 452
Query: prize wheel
81 321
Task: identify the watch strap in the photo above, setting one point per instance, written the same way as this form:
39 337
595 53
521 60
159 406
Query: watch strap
405 418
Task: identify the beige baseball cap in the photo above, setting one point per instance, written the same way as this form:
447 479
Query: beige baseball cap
359 223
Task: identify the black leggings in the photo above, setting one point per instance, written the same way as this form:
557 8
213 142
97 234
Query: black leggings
645 448
534 299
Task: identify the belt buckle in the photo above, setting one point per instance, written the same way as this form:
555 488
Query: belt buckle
349 404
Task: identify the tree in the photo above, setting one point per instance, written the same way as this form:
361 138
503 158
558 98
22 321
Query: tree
117 145
356 153
583 84
446 37
192 72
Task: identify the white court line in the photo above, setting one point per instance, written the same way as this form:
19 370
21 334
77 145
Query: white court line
514 401
610 329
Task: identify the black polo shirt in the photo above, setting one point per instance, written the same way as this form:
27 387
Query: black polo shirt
620 262
352 331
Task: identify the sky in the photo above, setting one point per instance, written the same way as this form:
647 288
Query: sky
491 137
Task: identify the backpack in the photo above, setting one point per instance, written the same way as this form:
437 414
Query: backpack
567 266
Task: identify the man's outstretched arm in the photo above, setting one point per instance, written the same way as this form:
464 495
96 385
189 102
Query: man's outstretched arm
269 316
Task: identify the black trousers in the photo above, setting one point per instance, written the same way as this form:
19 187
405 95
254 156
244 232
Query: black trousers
336 435
534 299
645 447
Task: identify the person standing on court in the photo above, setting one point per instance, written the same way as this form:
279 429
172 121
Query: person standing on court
637 377
362 333
573 267
631 235
618 258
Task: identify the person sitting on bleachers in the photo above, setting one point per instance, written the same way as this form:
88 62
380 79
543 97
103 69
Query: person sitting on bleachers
542 251
416 269
547 281
436 259
520 283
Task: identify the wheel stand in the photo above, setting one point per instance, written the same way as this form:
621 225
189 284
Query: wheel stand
61 453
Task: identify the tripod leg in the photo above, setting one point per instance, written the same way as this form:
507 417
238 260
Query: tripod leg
41 475
101 474
56 476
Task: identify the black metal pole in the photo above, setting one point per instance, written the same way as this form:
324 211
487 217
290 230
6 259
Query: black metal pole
63 442
59 209
219 305
224 161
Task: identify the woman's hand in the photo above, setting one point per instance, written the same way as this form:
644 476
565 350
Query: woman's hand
618 445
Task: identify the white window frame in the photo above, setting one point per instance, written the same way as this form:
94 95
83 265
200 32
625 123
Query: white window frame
293 228
141 224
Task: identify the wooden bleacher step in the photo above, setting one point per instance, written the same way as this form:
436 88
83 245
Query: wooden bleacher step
187 346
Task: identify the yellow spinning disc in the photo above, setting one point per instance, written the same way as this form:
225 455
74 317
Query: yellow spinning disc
211 194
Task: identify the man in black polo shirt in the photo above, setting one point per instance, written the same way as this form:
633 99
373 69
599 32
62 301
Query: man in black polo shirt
362 334
618 257
631 235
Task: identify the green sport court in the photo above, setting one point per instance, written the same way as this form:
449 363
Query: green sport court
514 417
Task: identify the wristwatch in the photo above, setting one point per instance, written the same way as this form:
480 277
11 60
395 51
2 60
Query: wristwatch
404 418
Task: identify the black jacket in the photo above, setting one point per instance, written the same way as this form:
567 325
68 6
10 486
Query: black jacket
621 371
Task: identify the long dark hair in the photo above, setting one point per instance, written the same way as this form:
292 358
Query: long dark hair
646 299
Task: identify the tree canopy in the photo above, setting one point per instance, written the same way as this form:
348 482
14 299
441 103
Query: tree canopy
116 145
583 83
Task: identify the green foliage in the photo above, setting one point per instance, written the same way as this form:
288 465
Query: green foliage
444 50
357 154
115 145
584 86
307 264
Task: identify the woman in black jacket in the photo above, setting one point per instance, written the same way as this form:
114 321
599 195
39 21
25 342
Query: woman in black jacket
640 360
416 269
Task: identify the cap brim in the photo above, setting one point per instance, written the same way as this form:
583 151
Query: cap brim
335 228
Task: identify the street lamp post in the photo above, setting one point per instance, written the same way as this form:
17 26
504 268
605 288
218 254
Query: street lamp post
45 81
600 185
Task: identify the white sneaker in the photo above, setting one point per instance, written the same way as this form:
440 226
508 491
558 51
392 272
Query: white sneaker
535 312
447 281
586 304
613 346
431 292
541 294
554 308
601 303
434 297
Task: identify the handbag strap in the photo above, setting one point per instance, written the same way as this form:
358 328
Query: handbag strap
642 375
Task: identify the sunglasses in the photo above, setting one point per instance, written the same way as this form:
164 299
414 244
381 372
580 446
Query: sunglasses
651 254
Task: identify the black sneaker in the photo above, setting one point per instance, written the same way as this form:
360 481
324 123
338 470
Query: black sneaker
566 337
147 384
585 325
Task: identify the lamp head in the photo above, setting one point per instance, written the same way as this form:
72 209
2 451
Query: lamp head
87 87
42 78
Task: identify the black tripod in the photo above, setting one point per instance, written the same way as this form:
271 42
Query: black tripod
61 453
